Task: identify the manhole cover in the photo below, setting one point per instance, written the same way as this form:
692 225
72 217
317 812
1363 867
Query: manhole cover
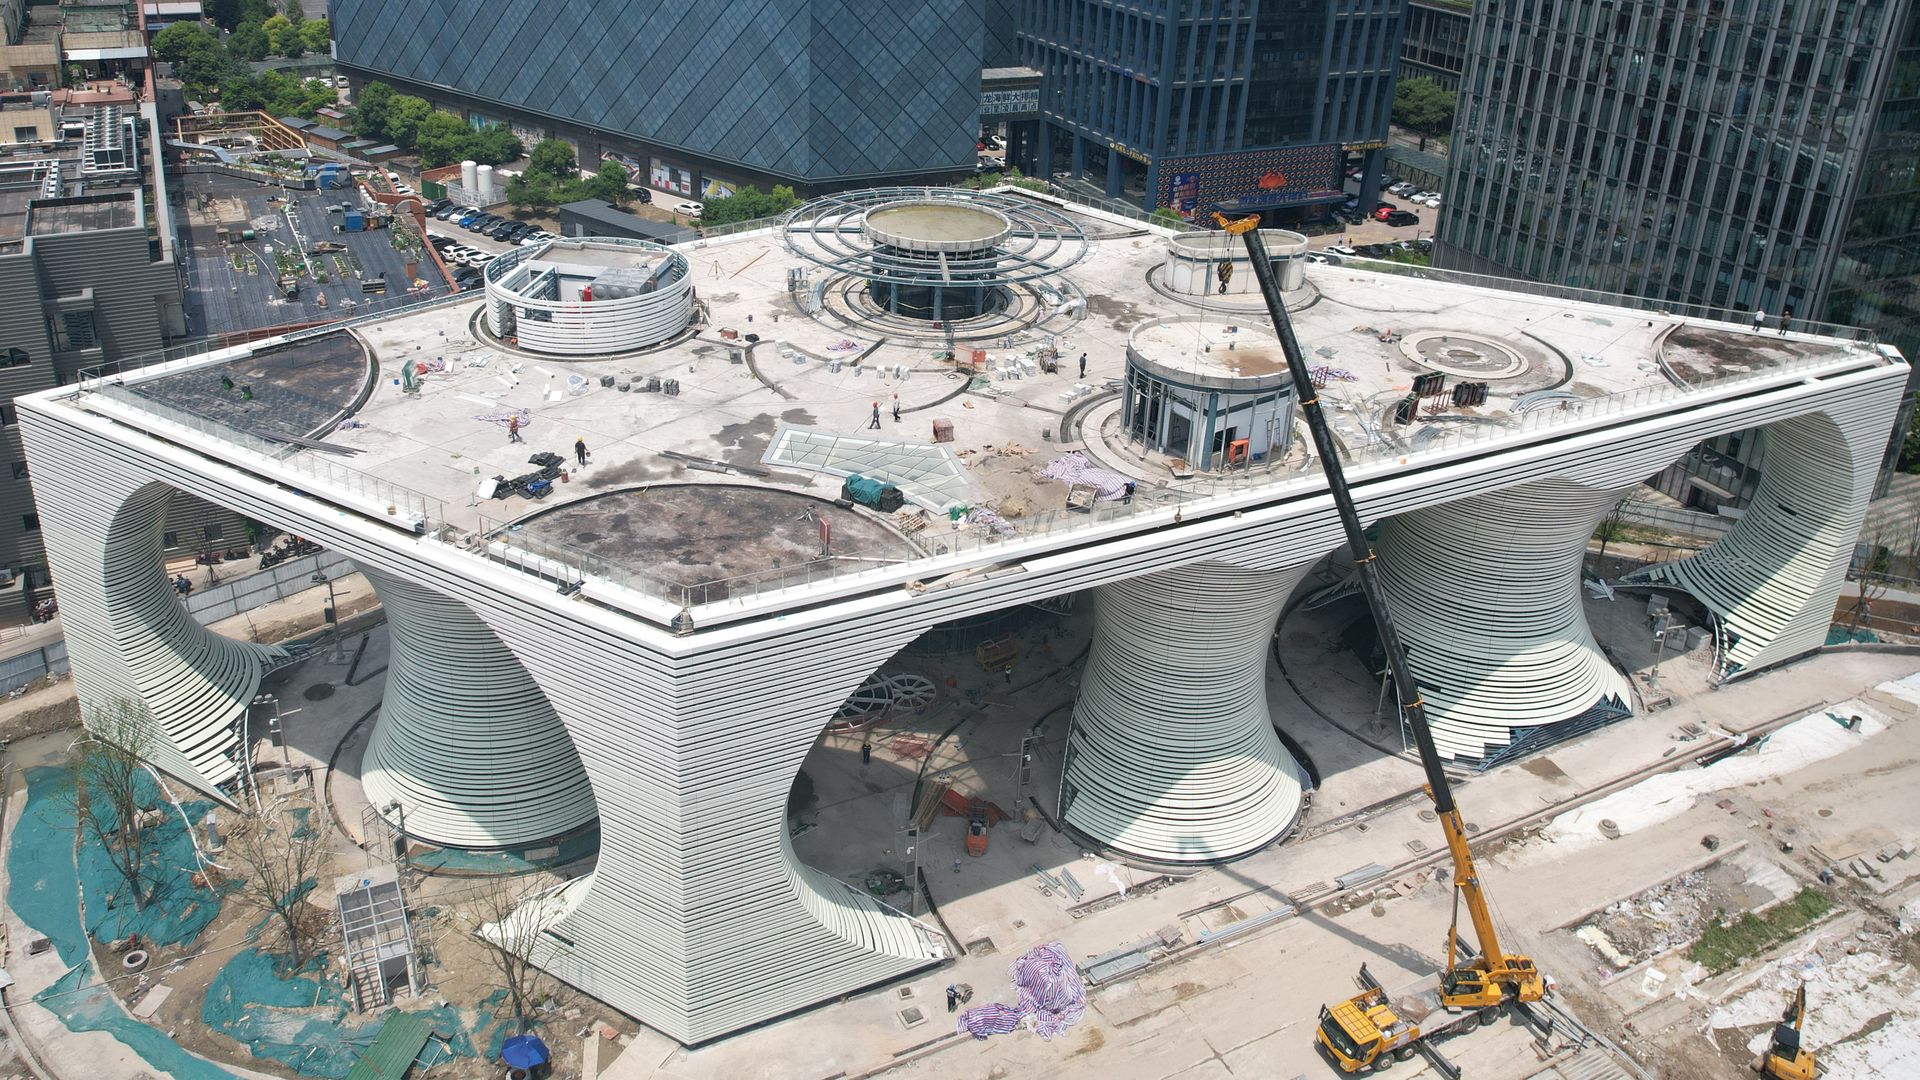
1825 811
318 692
1428 815
981 947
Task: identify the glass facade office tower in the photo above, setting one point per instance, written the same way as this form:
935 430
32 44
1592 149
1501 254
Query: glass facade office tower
700 96
1244 105
1737 157
1753 155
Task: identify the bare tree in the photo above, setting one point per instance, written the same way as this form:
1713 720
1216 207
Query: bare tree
1889 539
277 856
1613 527
511 916
110 790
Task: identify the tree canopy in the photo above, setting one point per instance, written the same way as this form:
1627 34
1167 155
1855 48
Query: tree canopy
553 177
1421 105
412 123
748 204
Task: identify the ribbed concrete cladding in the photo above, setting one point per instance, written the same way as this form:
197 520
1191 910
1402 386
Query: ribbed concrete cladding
1486 592
130 637
466 742
1774 578
1172 755
543 307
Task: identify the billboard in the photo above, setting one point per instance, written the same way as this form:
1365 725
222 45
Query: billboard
1248 178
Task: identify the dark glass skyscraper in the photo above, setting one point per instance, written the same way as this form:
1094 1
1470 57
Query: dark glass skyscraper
701 95
1242 104
1721 155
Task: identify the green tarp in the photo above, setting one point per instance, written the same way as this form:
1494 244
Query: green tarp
400 1041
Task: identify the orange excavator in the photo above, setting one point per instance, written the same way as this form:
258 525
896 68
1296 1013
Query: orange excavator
1368 1030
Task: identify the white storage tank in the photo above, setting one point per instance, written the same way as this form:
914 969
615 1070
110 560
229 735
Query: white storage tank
485 186
469 175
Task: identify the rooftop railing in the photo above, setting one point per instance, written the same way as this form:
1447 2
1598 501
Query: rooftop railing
942 549
413 510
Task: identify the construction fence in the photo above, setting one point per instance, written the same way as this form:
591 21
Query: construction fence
211 605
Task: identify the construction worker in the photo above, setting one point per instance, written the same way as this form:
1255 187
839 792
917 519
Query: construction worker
513 430
873 424
580 451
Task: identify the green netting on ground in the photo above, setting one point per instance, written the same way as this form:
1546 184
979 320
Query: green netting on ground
300 1022
303 1022
1840 635
176 912
43 891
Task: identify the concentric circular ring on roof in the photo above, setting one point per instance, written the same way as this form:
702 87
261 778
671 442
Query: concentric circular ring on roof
901 234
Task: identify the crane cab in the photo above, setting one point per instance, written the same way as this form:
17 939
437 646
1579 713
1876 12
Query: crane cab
1366 1032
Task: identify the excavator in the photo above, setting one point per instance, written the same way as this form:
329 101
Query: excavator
1785 1060
1370 1031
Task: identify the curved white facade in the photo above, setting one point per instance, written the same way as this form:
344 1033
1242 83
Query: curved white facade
129 636
691 720
1486 592
466 742
591 296
1776 576
1172 756
1192 267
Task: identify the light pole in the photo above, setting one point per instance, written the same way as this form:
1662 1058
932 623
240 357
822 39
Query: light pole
1661 630
277 729
320 577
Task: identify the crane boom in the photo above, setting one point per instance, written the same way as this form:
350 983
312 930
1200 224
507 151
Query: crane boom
1498 971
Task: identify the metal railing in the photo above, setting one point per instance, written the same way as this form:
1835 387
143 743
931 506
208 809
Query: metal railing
369 311
413 509
1732 317
940 548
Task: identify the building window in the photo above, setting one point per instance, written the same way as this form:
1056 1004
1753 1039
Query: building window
213 532
79 329
30 522
170 539
19 470
8 416
16 357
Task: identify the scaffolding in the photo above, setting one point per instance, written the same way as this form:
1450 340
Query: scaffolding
377 934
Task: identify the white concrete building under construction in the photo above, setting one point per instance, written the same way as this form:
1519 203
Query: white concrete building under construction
652 641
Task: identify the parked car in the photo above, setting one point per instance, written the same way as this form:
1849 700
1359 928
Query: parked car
467 219
1397 218
1340 249
1380 212
1400 188
1432 200
438 205
690 209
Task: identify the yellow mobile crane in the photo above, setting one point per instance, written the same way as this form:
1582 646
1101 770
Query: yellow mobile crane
1367 1030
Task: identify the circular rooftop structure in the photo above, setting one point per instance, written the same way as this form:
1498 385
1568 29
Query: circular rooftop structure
715 535
1465 356
589 296
1209 263
938 254
936 225
1211 391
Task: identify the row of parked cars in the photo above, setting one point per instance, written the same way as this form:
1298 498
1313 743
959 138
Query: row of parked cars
1413 193
466 264
504 229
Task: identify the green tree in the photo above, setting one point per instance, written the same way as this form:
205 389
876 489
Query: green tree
442 139
228 14
1420 104
184 39
495 144
747 204
404 118
553 158
609 183
531 190
370 111
284 35
250 41
1168 216
315 34
295 13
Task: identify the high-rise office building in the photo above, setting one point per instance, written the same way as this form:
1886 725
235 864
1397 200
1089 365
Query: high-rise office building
699 98
1758 157
1235 104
